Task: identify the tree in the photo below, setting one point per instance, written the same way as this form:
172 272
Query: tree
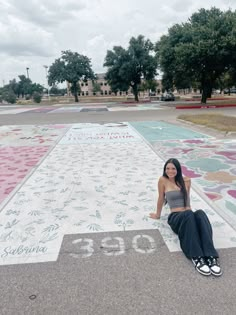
8 92
71 67
36 88
75 88
127 68
37 97
227 80
13 86
55 90
24 86
150 85
9 96
200 51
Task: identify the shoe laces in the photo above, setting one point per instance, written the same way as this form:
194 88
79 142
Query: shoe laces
199 260
212 261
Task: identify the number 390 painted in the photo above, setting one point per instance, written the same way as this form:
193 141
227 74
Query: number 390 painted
113 246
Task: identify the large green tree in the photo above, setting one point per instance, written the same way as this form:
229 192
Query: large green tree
199 51
71 67
127 67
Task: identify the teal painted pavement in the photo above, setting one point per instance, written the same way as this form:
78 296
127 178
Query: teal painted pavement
158 130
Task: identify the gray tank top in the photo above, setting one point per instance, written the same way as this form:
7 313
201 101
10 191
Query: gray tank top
175 199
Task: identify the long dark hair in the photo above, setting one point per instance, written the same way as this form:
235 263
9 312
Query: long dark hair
179 181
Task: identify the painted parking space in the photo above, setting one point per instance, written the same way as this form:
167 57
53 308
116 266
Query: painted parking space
96 178
31 134
211 163
21 150
158 130
15 164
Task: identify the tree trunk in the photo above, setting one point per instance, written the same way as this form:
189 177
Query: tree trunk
75 91
209 91
76 97
206 90
204 96
135 91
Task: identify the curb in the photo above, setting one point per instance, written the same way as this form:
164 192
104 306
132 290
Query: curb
210 99
204 106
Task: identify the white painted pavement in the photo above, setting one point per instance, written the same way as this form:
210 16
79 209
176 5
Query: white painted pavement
16 110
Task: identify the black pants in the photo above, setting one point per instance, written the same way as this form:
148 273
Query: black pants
194 231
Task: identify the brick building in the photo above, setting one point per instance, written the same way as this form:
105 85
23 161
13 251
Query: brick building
102 88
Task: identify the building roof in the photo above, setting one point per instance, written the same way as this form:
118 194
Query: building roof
100 76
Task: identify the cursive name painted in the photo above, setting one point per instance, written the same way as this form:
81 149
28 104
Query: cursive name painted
22 250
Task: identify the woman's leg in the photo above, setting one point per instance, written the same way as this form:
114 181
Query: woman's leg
205 234
184 224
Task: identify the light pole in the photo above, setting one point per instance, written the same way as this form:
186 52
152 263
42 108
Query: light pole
27 70
46 69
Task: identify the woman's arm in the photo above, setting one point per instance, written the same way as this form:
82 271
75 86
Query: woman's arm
187 182
160 200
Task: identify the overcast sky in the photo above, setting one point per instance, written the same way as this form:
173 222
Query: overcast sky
34 32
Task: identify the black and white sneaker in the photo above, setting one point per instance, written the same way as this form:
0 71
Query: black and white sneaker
201 266
214 266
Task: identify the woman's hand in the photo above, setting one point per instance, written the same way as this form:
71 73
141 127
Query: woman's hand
154 216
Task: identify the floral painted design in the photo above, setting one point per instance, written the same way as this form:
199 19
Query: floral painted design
211 166
15 164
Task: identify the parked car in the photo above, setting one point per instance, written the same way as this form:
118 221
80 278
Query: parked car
168 97
232 90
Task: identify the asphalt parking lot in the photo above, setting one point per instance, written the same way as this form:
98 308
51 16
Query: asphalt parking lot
88 186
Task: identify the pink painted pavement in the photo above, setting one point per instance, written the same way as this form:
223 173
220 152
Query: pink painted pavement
15 164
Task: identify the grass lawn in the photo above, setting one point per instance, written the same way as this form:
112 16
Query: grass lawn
211 102
215 121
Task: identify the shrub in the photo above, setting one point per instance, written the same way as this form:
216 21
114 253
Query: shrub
37 97
9 96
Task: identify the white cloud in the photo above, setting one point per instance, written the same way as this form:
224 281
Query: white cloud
46 13
34 32
21 38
